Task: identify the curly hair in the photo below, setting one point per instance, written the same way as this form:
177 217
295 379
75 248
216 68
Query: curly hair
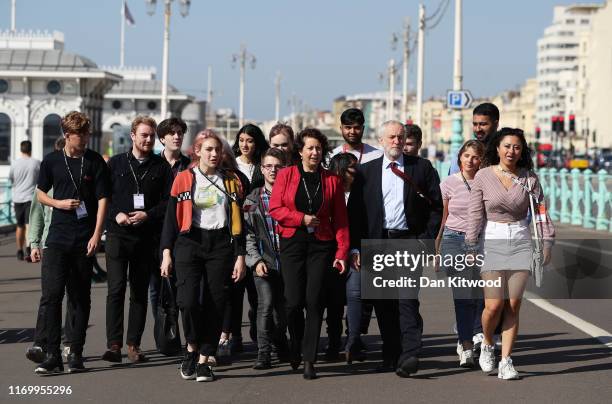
491 156
315 134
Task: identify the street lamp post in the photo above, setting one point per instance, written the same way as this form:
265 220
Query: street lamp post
184 10
457 137
242 58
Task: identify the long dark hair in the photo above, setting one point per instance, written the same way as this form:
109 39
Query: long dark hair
491 157
261 145
340 163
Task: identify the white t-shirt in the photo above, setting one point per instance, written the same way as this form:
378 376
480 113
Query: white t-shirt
246 169
209 202
369 152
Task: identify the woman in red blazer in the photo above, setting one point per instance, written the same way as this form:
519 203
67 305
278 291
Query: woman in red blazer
308 204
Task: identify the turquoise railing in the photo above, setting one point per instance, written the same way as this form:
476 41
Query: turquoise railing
580 198
6 205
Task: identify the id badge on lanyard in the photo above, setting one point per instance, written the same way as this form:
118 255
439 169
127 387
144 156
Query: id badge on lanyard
81 211
139 201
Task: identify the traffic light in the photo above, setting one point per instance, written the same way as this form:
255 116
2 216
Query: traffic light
554 124
538 132
572 124
561 123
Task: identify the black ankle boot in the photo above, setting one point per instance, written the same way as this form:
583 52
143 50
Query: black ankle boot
52 364
309 371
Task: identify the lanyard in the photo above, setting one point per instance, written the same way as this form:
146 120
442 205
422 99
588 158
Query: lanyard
465 182
344 150
134 174
77 187
308 195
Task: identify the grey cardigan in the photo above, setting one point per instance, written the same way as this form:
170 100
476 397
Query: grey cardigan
258 244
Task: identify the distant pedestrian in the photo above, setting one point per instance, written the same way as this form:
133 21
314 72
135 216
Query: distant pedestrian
282 137
414 140
23 175
249 146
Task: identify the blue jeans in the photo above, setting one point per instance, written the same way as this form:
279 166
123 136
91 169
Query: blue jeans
468 301
353 309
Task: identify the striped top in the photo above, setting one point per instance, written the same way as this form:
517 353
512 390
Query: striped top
489 200
456 193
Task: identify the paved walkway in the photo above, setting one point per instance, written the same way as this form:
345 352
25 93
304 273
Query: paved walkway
557 361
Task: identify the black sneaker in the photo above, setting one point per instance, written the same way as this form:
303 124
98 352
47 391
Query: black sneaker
204 373
75 363
20 255
188 366
36 354
52 364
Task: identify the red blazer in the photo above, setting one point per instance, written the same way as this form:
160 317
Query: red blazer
332 214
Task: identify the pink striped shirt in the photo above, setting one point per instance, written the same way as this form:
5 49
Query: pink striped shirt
456 193
489 200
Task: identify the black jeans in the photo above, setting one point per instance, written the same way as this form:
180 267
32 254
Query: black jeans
334 301
271 316
232 320
70 269
204 262
304 262
130 258
40 333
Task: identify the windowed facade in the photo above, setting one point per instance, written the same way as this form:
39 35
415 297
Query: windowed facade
51 131
5 139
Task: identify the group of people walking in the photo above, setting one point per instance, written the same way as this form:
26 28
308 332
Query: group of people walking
281 219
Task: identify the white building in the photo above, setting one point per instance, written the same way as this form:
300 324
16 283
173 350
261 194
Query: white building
557 65
593 117
139 93
39 83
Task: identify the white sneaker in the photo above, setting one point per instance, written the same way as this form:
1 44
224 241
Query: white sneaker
224 348
477 340
459 348
466 358
506 370
487 358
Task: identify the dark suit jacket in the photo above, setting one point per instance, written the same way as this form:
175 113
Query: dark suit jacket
366 205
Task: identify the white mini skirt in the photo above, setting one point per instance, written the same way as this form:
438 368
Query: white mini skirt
507 246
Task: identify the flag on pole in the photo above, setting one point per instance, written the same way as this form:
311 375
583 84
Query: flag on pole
128 16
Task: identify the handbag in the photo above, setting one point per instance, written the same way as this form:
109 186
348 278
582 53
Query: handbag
166 330
537 257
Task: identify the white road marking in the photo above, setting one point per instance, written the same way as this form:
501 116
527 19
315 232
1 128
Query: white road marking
599 334
22 331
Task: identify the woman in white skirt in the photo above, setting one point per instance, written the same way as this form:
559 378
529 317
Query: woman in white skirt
499 213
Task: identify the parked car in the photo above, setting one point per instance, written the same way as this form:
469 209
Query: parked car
580 161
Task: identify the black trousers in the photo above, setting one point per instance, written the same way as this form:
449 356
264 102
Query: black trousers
127 258
40 333
70 269
334 301
204 261
400 324
304 262
232 320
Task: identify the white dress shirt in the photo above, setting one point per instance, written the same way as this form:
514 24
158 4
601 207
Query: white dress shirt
393 196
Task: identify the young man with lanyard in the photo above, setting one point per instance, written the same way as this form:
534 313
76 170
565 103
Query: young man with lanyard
171 133
263 255
141 182
352 125
79 178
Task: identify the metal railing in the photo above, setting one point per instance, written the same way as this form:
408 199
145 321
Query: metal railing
580 198
6 204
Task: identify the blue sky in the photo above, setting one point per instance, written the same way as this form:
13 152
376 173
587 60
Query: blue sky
323 49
